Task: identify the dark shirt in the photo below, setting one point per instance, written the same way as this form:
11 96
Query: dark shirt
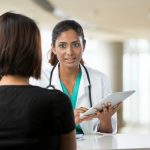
33 118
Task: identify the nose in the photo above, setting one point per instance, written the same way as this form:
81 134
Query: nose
70 50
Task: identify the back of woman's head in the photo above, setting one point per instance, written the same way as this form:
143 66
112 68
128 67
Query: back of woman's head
20 46
63 26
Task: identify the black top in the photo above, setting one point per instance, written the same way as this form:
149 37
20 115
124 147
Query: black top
33 118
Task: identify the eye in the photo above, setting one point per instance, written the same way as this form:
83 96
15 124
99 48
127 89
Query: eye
76 45
62 45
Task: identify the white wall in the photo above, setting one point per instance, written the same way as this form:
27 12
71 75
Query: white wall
106 57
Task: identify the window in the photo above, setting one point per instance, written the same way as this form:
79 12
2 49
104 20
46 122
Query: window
136 75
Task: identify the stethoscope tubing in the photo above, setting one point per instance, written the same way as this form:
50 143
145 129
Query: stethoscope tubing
88 77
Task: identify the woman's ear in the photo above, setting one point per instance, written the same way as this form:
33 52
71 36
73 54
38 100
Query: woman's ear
53 49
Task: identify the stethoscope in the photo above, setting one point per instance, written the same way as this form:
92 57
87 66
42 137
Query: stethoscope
50 86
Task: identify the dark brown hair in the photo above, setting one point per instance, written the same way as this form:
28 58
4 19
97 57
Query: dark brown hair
20 46
63 26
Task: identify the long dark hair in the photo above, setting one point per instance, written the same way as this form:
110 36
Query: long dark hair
20 46
62 27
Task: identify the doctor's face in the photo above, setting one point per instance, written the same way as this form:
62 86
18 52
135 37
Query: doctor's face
68 48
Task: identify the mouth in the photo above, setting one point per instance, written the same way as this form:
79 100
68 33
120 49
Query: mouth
70 60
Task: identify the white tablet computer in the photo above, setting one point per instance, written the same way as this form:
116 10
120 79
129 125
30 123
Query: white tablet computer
113 98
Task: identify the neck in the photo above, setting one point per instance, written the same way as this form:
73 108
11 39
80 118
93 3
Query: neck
14 80
68 74
68 77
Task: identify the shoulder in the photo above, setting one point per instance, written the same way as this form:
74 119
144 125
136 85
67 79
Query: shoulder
51 95
96 74
99 81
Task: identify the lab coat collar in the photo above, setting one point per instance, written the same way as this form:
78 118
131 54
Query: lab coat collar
56 79
82 89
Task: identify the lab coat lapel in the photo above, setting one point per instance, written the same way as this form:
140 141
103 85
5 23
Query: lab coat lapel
82 90
82 98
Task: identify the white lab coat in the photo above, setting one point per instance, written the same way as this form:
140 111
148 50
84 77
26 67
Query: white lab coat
100 87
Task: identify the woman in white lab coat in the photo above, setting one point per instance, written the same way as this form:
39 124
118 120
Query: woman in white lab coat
85 86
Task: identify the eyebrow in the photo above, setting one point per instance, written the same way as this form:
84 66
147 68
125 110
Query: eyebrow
61 42
76 41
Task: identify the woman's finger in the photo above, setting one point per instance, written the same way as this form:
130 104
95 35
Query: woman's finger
117 107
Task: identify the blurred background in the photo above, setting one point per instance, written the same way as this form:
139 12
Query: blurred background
118 44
